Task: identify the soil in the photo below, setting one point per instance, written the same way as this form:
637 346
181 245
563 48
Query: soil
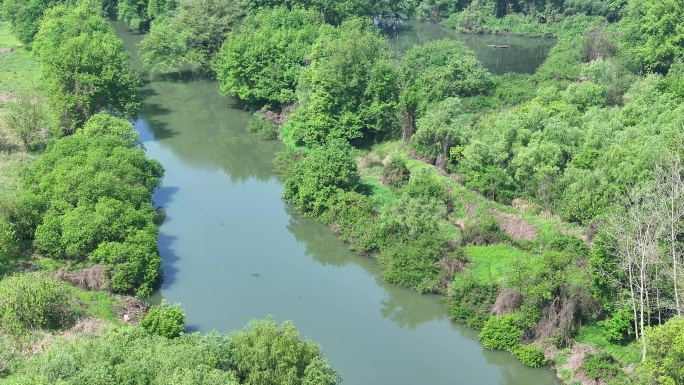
6 50
8 97
514 226
132 311
575 360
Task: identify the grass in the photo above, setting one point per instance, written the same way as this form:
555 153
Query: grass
626 354
491 263
97 304
19 73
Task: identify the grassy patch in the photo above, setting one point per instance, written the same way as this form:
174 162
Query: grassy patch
625 354
97 304
490 263
19 73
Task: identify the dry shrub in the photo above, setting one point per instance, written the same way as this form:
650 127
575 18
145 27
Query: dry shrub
561 316
597 45
594 229
448 267
94 278
514 226
508 301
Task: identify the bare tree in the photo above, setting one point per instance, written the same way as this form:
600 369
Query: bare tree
670 190
637 228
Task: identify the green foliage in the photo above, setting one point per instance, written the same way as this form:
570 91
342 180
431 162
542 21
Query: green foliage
264 353
440 128
664 353
262 127
190 35
88 197
618 328
471 301
252 354
481 232
25 119
260 60
31 301
653 33
501 332
323 173
600 366
413 264
349 90
85 67
530 355
26 15
164 320
395 174
437 70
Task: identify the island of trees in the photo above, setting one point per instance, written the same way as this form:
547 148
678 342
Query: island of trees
546 208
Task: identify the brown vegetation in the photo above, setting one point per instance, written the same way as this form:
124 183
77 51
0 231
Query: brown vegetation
94 278
508 301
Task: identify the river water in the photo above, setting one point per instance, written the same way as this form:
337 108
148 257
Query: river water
233 250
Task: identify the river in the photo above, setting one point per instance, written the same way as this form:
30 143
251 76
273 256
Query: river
233 251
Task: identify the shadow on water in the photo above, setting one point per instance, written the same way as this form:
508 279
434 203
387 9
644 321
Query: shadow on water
169 258
163 197
404 307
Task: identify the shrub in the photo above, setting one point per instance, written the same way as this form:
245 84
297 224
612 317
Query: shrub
33 301
601 366
413 264
165 320
530 355
501 332
618 327
316 179
395 174
481 232
262 127
471 301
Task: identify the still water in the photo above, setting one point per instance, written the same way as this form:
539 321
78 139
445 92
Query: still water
523 54
233 250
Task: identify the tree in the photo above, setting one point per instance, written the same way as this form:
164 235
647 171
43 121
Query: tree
654 34
86 67
349 90
637 229
434 71
442 127
265 353
26 119
322 174
260 60
191 35
88 198
164 320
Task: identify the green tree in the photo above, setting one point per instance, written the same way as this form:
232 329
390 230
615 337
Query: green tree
434 71
88 198
349 90
442 127
191 35
30 301
322 174
654 33
26 119
164 320
265 353
85 66
260 60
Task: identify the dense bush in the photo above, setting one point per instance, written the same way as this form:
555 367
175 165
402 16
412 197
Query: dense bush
470 301
85 67
501 332
481 231
530 355
319 176
164 320
349 90
395 173
600 366
260 60
413 264
265 353
88 197
31 301
262 127
664 354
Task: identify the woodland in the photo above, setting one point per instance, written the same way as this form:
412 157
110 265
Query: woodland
545 208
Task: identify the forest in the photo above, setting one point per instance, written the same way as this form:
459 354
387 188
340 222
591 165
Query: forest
545 208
